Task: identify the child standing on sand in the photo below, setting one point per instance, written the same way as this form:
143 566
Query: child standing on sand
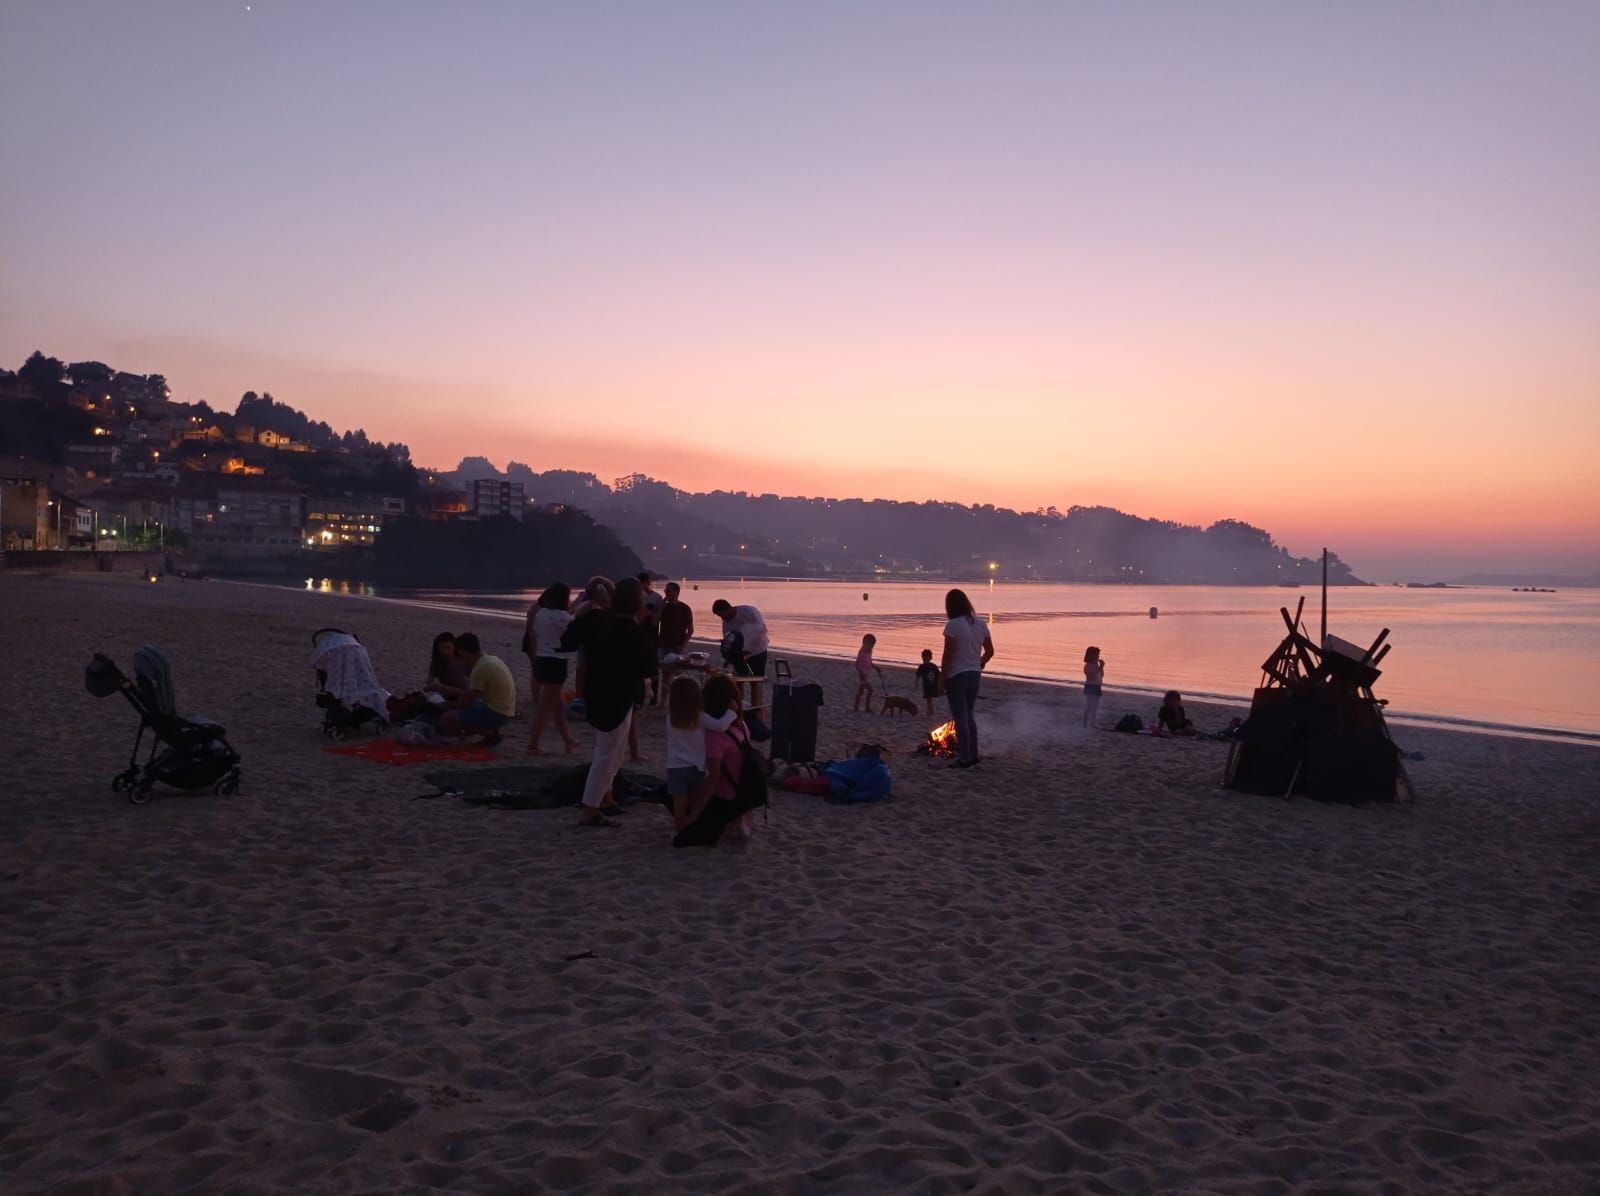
928 678
864 667
687 724
1094 672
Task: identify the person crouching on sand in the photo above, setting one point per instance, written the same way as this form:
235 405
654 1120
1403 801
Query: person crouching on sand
1170 719
864 667
721 817
447 672
687 724
490 699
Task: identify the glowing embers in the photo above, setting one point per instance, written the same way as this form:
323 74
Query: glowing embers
941 741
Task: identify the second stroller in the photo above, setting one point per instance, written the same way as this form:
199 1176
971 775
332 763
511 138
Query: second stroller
348 692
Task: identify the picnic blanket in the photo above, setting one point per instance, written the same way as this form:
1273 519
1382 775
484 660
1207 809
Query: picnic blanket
536 787
389 751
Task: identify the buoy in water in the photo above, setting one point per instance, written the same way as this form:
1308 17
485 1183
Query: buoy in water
1152 612
863 595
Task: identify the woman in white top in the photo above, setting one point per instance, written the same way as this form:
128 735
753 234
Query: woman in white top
547 619
967 648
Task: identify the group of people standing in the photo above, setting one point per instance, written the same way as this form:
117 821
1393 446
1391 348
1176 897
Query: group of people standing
623 642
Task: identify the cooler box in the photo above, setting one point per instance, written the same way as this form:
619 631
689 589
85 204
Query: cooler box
794 721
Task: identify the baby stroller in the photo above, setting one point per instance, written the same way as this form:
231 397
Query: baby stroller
348 692
186 753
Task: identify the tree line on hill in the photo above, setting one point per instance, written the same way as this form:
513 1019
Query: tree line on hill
771 534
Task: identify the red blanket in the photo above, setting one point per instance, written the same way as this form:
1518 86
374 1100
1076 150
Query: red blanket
388 751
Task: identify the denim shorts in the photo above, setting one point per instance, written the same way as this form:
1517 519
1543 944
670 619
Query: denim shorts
478 715
684 780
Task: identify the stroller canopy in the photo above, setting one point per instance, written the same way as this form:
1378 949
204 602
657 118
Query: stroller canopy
348 671
155 680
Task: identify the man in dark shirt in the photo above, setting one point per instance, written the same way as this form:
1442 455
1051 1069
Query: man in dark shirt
676 621
618 657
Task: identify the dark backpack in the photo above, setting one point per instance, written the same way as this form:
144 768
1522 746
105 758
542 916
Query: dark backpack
750 790
1130 723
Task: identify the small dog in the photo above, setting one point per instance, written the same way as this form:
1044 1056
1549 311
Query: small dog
894 706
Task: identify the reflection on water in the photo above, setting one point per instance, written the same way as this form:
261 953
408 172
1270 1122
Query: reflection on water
1491 656
327 585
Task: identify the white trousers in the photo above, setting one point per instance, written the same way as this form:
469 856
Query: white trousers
608 749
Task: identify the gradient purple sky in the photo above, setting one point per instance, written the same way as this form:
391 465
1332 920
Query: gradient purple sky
1330 268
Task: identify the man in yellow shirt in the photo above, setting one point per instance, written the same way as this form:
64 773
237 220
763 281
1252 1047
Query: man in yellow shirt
490 700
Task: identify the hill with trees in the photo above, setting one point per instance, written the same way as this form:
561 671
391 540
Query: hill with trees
754 534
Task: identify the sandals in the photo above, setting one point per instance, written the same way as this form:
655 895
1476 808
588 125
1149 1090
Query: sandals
602 820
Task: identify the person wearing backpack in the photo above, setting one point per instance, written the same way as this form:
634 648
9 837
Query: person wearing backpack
735 777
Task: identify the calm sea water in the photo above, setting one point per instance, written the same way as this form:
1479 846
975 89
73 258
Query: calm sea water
1484 656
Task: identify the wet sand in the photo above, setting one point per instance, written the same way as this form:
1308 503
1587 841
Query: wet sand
1082 967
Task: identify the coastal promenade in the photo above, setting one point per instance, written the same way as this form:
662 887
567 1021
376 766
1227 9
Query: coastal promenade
1082 967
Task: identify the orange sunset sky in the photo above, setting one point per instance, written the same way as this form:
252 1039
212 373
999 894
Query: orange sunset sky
1333 272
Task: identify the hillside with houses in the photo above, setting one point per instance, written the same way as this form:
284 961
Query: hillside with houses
96 458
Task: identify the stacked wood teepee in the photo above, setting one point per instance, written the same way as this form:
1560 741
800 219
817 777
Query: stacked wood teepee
1315 726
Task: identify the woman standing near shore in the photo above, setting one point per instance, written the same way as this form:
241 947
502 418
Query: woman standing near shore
967 649
1094 672
548 620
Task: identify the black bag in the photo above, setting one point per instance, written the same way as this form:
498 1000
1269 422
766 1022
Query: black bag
759 731
750 790
1131 723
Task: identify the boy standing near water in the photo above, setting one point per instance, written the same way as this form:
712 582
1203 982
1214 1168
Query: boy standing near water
928 678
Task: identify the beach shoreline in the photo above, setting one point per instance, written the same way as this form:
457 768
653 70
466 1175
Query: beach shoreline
1081 967
1233 704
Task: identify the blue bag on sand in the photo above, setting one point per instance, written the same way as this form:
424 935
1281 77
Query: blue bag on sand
858 780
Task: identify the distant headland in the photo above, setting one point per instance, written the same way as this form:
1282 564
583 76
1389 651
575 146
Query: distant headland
96 458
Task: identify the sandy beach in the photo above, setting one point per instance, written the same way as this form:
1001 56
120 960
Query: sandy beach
1081 968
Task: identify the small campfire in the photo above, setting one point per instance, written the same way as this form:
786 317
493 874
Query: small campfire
941 741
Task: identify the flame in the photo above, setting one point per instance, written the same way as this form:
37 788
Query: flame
942 740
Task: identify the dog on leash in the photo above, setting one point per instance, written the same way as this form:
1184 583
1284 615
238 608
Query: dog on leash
895 706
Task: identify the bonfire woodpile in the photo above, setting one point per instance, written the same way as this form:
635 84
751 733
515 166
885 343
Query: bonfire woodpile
1316 727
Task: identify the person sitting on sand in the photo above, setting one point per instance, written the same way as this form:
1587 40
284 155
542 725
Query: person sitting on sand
490 699
617 657
548 620
1170 719
927 677
864 667
447 671
687 724
720 816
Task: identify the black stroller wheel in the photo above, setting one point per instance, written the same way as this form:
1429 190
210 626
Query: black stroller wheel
141 794
227 785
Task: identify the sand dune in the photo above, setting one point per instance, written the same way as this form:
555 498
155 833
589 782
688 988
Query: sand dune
1080 968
